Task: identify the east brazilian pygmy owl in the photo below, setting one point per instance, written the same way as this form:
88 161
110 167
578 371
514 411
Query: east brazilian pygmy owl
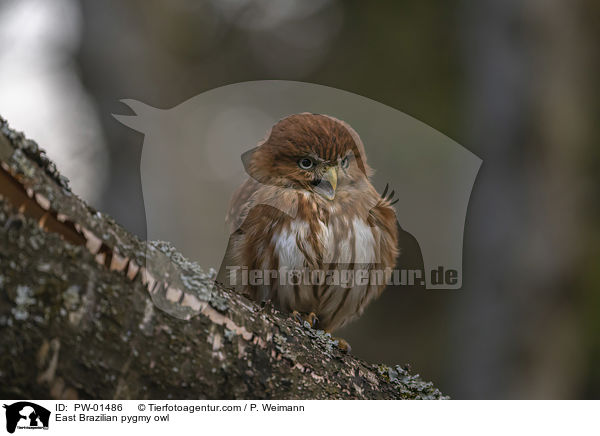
308 219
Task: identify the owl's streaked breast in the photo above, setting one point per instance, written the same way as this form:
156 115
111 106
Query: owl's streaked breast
342 244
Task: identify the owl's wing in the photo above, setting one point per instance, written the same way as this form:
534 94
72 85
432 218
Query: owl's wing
409 256
253 207
236 215
241 203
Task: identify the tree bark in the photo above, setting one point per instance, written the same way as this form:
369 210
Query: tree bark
83 315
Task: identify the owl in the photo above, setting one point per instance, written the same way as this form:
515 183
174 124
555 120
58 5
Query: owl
309 232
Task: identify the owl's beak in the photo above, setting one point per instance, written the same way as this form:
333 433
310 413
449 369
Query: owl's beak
327 184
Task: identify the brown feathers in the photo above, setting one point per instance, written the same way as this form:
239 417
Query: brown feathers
307 219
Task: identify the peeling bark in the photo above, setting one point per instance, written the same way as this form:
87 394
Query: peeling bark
88 311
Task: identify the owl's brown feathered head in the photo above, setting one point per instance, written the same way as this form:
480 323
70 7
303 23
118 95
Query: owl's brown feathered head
315 152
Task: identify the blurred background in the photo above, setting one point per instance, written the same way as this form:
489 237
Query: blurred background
512 81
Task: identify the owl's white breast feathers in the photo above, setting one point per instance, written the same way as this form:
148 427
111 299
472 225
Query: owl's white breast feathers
364 242
286 249
357 245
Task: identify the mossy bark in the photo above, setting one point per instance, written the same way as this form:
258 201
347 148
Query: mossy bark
72 326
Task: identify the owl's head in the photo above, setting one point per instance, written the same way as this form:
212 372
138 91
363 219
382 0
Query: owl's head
318 153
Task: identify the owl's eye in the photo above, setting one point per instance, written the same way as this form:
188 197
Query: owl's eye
305 163
345 161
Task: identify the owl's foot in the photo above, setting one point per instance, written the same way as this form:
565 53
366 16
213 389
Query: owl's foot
311 318
313 321
342 344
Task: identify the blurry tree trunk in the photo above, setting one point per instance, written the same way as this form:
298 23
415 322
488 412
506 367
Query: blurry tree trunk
78 313
526 77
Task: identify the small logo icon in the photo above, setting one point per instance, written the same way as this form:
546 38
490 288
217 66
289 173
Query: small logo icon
26 415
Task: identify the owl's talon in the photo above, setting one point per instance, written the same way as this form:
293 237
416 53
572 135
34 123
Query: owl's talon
296 315
342 345
311 319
